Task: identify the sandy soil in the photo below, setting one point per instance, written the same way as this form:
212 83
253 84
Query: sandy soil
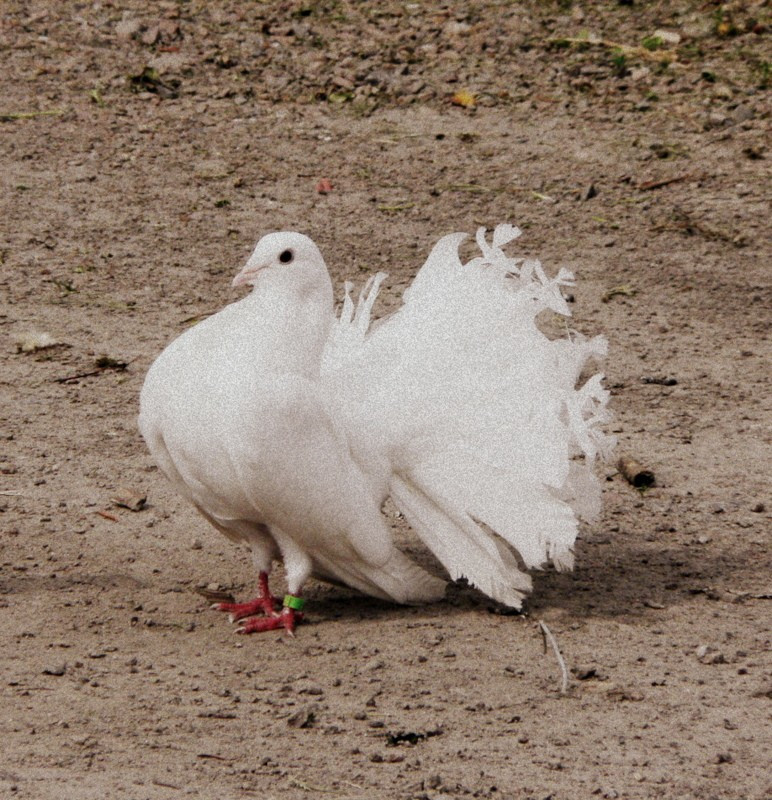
127 205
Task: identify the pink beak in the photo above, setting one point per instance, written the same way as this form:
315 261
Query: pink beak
247 275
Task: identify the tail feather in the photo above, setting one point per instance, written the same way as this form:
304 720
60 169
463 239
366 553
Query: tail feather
464 548
531 517
468 400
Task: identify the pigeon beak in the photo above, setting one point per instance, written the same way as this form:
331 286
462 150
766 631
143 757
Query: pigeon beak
247 275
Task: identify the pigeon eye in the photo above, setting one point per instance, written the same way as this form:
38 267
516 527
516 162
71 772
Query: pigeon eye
286 256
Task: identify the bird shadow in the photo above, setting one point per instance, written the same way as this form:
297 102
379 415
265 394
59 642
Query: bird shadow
614 578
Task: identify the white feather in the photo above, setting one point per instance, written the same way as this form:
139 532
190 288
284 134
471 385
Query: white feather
288 427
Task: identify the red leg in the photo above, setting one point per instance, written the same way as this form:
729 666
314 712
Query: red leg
286 619
264 603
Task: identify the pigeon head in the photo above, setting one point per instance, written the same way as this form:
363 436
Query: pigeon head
288 257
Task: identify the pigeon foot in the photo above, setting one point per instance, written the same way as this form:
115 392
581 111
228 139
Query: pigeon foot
286 619
264 603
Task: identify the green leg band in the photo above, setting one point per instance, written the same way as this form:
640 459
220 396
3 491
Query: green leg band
294 602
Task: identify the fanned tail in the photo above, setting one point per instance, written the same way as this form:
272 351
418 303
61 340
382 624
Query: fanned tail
490 442
462 546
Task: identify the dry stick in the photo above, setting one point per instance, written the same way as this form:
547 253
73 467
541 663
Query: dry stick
636 474
548 637
13 115
156 782
80 375
628 50
117 366
662 182
214 756
309 787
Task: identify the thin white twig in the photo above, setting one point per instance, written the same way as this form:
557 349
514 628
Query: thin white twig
548 637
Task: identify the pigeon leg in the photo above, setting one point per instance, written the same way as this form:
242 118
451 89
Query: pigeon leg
287 619
298 567
264 603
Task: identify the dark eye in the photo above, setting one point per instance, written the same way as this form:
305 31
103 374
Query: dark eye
286 256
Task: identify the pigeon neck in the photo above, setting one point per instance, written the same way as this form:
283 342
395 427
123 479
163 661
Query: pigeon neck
297 320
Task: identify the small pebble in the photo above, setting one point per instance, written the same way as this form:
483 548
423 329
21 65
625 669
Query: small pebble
709 655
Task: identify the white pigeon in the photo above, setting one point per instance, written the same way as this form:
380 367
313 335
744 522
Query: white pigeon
288 427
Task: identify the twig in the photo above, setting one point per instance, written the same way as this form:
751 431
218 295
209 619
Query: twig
71 378
214 757
216 596
548 637
628 50
104 364
353 785
636 474
684 222
197 318
663 182
308 787
753 595
468 187
625 289
14 115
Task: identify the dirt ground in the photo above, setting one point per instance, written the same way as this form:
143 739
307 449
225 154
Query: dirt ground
144 149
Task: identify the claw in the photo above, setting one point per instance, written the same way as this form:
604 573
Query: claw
287 619
264 603
237 611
